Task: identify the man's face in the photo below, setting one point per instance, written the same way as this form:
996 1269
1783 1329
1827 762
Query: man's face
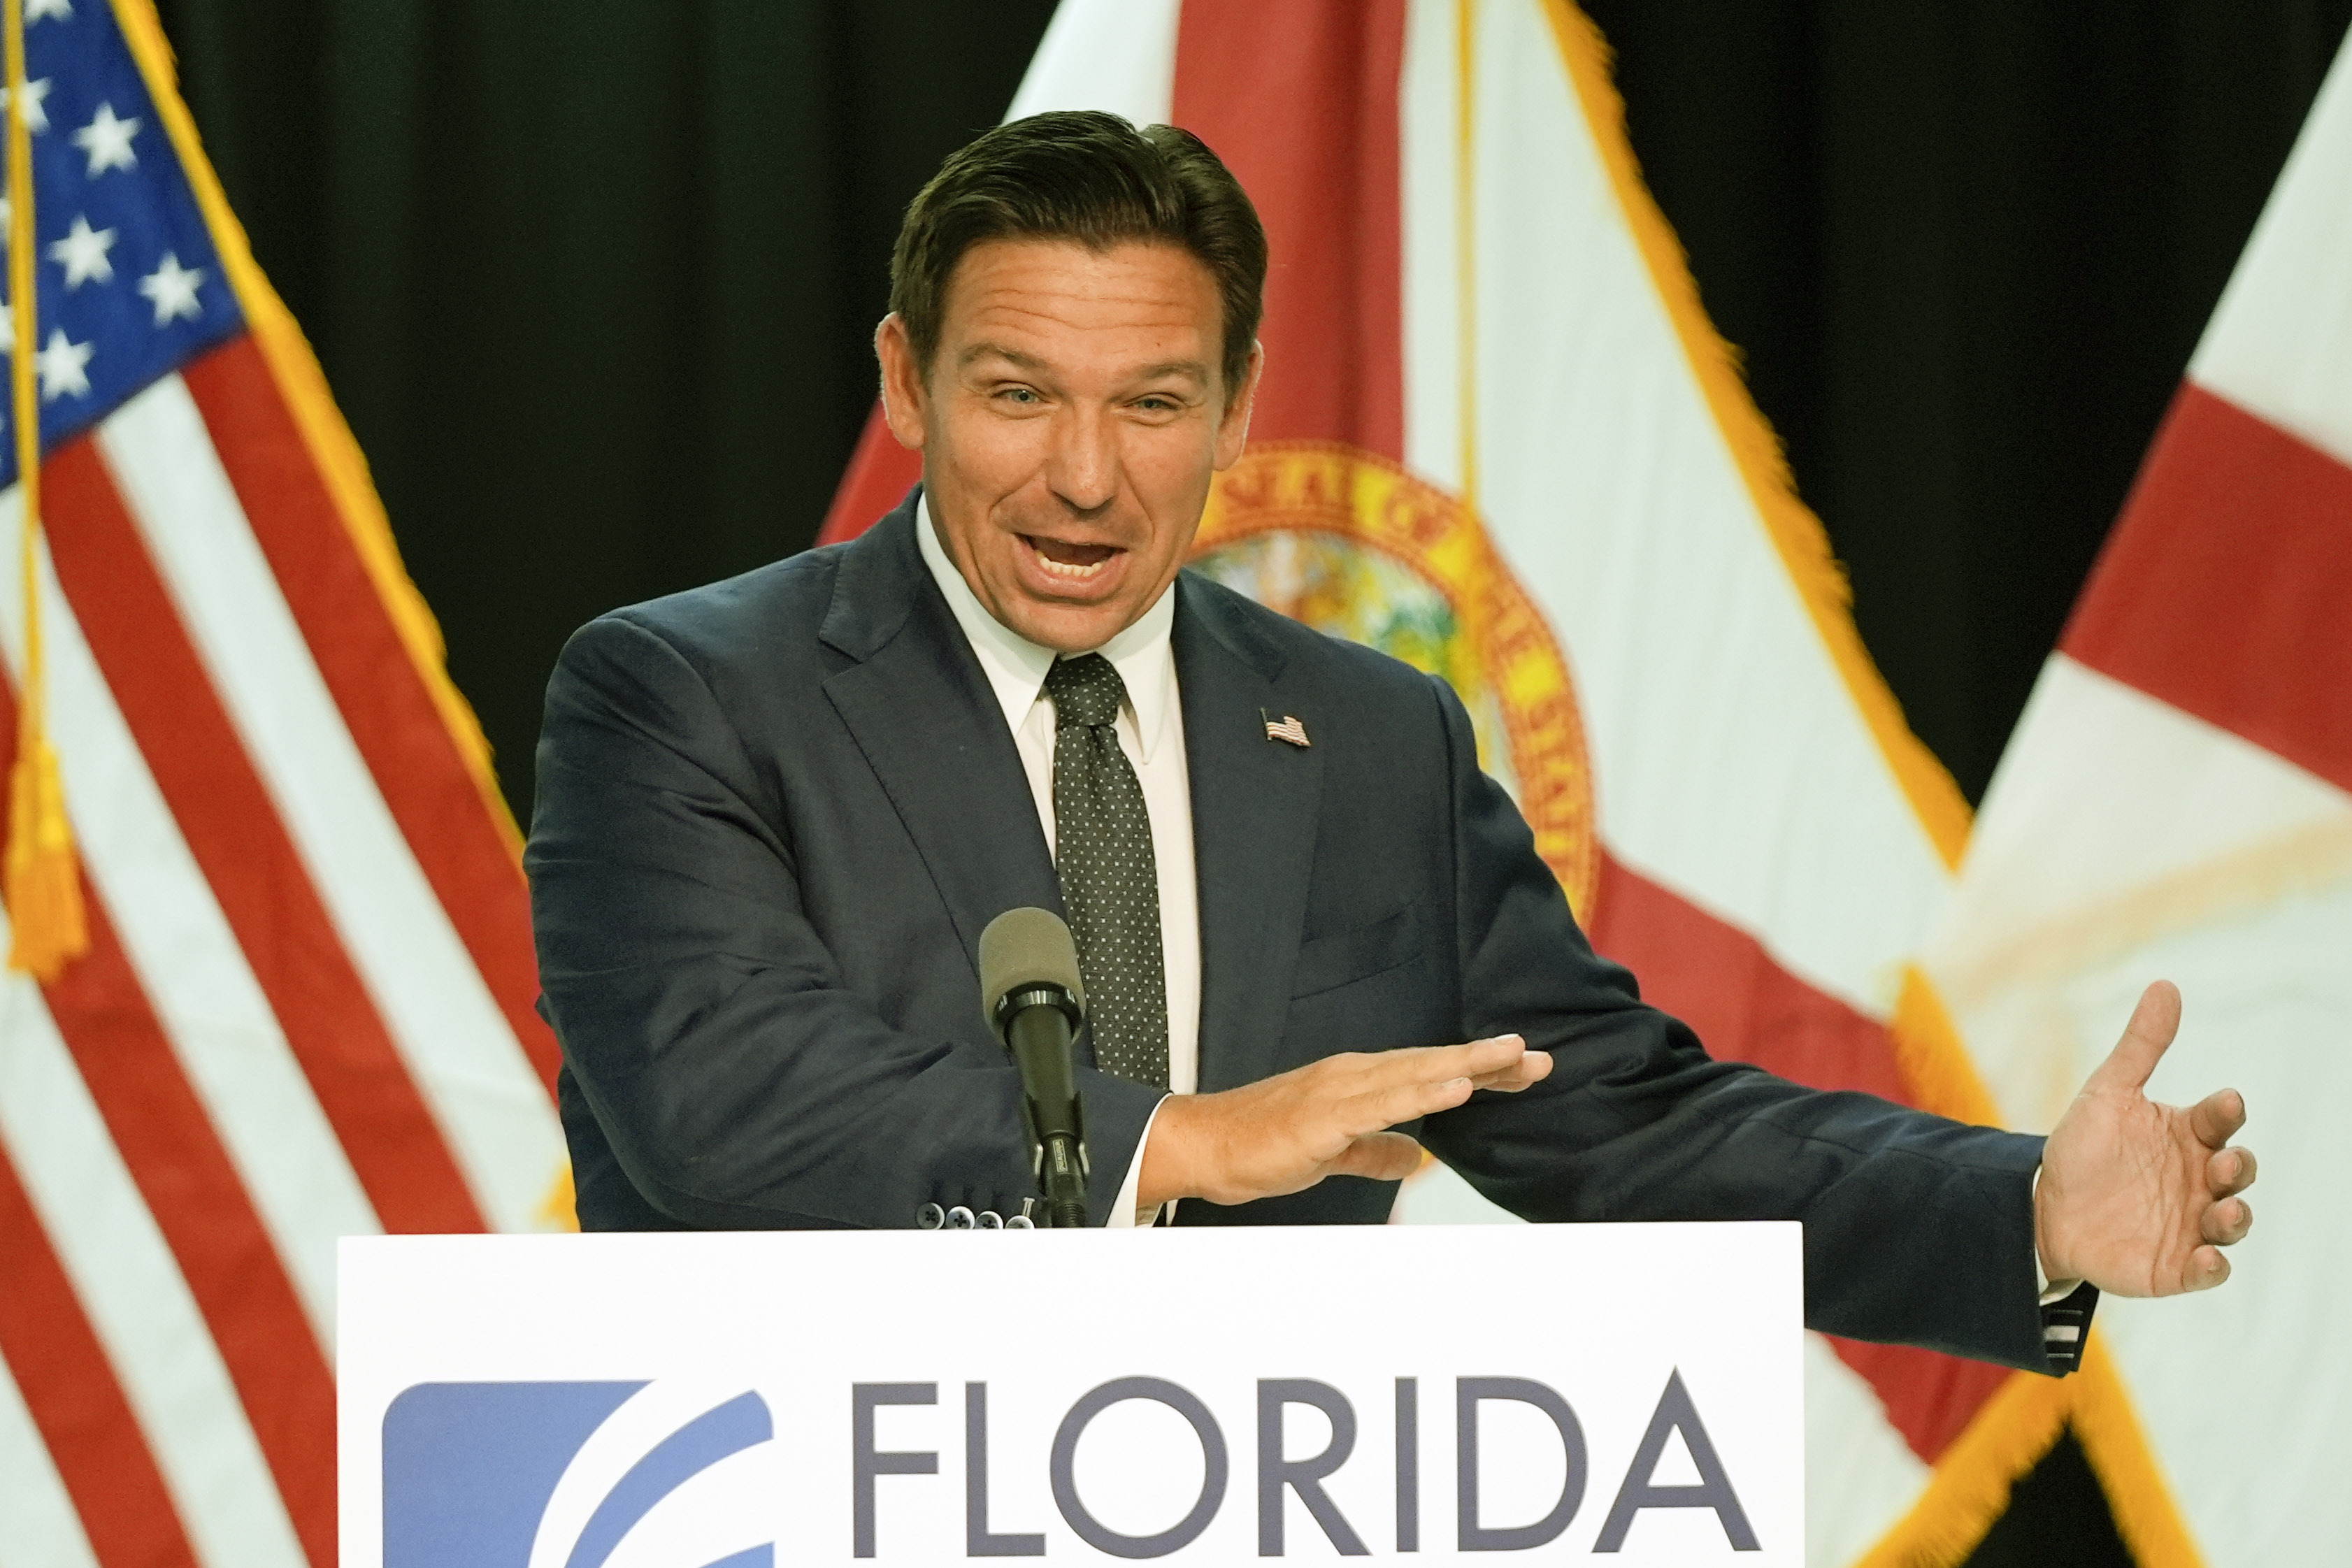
1069 423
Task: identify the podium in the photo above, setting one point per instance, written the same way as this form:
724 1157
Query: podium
1627 1392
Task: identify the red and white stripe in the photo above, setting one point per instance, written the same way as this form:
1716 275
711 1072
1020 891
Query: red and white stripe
2176 802
40 1514
305 1008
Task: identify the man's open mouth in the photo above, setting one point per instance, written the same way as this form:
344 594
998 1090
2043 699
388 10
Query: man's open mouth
1070 563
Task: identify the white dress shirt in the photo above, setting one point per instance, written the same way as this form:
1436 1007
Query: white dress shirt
1151 732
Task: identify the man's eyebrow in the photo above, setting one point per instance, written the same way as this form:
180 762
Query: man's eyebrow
1014 357
1194 368
976 352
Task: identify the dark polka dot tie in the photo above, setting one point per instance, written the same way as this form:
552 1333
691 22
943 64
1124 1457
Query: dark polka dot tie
1110 885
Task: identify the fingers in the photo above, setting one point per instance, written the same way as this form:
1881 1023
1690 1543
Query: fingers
1422 1081
1428 1063
1500 1057
1383 1157
1533 1067
1329 1117
2152 1024
1363 1114
2217 1117
2226 1223
2231 1171
2206 1269
1357 1075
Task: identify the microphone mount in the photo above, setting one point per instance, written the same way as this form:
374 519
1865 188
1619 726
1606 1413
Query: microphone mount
1034 1000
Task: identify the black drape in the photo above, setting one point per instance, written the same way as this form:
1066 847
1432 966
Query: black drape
593 280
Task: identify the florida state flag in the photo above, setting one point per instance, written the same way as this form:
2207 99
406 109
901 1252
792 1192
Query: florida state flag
1498 438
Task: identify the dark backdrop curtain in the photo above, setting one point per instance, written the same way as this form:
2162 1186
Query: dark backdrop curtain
594 281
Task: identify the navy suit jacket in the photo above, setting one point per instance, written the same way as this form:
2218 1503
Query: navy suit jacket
775 814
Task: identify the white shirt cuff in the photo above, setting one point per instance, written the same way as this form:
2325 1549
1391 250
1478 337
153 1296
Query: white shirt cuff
2051 1290
1124 1215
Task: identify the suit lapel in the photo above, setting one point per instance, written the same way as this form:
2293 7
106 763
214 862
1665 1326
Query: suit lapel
921 711
1255 804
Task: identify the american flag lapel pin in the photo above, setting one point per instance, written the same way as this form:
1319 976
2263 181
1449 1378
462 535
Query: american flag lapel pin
1284 728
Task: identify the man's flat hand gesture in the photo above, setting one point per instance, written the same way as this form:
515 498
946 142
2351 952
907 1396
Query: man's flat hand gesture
2137 1198
1327 1118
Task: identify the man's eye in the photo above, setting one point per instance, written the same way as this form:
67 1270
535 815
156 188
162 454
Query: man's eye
1019 394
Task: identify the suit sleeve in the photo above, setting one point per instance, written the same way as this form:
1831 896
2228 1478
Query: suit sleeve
1919 1231
739 1082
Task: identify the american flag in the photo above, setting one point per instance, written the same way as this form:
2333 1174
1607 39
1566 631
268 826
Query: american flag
305 1010
1284 728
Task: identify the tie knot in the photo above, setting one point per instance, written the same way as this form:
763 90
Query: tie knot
1086 690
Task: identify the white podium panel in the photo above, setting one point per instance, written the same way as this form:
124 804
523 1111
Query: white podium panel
1631 1393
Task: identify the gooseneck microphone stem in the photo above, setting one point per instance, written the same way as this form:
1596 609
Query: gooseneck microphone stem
1038 1031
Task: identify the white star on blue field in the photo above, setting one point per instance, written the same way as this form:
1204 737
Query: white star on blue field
130 287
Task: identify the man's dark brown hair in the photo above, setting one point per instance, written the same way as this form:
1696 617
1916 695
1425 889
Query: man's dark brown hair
1093 178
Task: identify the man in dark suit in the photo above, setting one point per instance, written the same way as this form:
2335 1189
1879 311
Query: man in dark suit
776 813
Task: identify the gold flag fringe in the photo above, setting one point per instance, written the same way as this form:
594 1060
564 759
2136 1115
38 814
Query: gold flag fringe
1796 534
50 929
325 435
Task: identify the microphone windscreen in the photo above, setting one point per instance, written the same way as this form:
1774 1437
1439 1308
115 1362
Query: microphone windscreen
1026 948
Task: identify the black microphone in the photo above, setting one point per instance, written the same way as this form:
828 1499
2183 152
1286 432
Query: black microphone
1033 999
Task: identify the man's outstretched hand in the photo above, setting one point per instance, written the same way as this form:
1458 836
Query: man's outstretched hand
1327 1118
2137 1197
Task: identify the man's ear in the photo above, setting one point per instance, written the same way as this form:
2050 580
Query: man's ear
903 395
1232 425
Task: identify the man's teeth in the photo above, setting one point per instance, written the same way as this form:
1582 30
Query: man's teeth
1068 570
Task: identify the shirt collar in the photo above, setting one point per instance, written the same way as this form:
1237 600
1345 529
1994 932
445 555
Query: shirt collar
1016 667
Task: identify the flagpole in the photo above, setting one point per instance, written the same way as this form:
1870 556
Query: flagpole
1465 239
48 926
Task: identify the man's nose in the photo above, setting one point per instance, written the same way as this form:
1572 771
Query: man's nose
1084 468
